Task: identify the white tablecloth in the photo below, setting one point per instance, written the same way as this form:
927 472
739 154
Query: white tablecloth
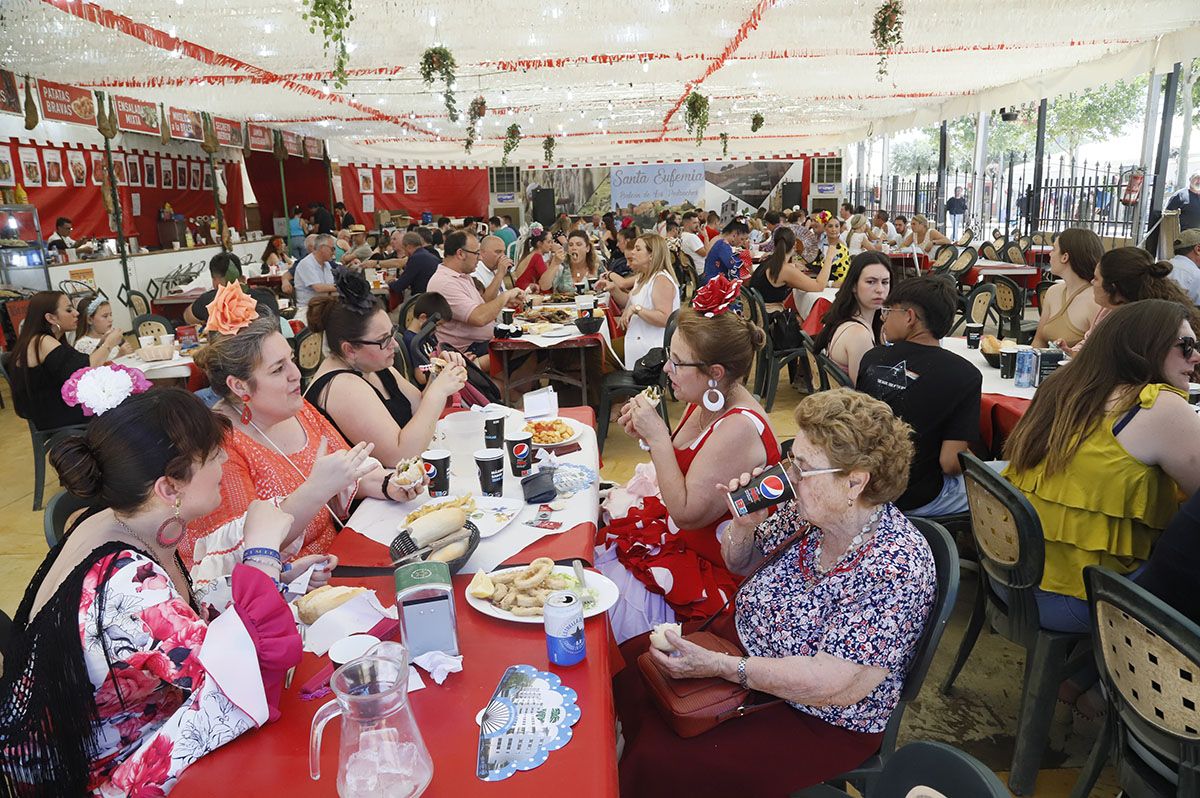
178 368
991 376
806 299
379 520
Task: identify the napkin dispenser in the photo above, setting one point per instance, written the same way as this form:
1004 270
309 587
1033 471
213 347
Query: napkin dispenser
425 600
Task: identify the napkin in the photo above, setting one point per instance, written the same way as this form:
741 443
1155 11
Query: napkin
299 586
542 402
359 614
439 664
318 685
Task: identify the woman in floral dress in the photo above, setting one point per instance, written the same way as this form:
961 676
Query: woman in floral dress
114 682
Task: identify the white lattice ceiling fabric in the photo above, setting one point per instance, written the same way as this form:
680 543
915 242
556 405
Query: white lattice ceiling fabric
606 79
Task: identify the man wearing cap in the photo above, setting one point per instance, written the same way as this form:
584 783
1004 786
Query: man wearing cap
1185 266
1187 202
359 250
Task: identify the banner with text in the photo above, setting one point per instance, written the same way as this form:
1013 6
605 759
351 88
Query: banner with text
186 125
314 148
66 103
666 185
229 132
293 143
136 116
260 137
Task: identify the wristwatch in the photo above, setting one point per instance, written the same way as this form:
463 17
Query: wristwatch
637 310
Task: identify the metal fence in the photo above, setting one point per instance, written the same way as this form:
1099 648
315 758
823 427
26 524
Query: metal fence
1070 194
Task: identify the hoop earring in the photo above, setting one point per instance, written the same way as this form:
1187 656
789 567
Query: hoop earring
246 414
177 520
713 399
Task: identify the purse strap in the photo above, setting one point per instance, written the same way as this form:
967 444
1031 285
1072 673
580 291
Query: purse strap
770 558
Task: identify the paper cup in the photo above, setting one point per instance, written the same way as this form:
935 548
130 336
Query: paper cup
146 340
166 340
437 468
490 463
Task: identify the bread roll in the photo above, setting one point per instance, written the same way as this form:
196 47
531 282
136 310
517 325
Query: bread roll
436 525
658 638
450 553
323 599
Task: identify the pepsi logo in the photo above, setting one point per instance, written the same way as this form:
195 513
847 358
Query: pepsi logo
772 487
520 450
430 470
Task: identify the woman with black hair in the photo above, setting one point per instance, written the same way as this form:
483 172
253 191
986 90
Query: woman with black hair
853 321
781 272
110 682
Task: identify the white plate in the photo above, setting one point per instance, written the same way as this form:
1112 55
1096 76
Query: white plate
606 596
352 647
569 422
561 332
492 513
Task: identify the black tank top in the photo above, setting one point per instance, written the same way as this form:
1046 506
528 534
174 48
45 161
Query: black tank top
769 293
396 403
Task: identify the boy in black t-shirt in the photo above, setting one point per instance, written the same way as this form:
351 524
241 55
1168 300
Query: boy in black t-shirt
934 390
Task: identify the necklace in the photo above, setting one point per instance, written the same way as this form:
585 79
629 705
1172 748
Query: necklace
177 561
856 543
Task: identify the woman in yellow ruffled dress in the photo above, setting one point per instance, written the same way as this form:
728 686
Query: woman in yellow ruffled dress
1107 449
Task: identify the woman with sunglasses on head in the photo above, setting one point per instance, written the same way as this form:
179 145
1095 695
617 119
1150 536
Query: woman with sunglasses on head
357 387
1105 448
724 430
838 589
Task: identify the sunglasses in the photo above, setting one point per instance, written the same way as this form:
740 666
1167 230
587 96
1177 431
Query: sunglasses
382 343
1186 345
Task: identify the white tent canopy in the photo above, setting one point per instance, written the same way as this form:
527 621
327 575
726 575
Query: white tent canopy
607 80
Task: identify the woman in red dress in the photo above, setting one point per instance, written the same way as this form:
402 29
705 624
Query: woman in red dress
665 552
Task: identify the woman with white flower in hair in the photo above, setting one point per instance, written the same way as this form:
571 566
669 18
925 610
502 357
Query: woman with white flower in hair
95 324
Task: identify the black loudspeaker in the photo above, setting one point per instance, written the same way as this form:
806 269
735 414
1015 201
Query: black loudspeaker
793 194
543 206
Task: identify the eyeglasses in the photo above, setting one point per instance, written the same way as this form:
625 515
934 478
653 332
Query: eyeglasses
791 467
1186 345
382 343
470 251
675 364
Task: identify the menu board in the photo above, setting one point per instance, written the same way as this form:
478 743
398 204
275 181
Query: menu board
260 137
314 147
186 125
229 132
293 143
64 103
136 116
10 101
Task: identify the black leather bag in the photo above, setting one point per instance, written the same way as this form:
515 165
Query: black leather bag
784 329
649 367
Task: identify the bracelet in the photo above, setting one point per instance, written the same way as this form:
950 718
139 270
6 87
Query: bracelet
386 479
260 561
262 551
741 673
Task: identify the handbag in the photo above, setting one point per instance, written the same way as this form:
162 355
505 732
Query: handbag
649 367
693 706
784 329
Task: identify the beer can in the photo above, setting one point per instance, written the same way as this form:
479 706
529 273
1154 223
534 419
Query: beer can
768 489
563 616
1023 375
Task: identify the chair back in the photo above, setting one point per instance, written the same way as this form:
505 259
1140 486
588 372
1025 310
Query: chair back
1008 537
967 236
987 251
943 258
925 769
1042 287
945 559
962 263
74 289
832 375
979 302
1149 654
1041 239
139 303
310 352
513 250
1025 241
59 511
1014 253
152 325
405 314
401 361
1010 301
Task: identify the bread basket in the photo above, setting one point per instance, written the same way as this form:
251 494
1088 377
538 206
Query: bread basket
150 354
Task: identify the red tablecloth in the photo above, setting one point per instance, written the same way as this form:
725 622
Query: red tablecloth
906 259
998 415
812 322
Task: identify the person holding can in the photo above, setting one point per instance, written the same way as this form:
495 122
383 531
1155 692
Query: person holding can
664 553
830 625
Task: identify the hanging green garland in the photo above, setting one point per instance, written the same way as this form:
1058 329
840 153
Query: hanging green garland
439 62
724 144
512 138
695 115
334 18
475 112
887 31
756 122
548 148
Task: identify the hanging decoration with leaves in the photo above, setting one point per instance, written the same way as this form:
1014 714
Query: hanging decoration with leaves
333 17
475 111
512 138
439 62
695 115
548 148
756 122
887 31
724 144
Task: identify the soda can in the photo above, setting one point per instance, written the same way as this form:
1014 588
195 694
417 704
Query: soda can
1023 374
563 615
768 489
436 463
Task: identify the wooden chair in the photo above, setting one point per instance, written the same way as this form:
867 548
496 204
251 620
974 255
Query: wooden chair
138 303
871 774
1149 655
310 351
976 306
1014 253
987 251
1010 304
967 236
962 264
152 325
1012 555
943 258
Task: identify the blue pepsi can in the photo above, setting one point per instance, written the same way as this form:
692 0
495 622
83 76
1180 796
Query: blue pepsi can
768 489
1023 377
563 615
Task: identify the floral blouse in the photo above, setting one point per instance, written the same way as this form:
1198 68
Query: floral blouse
870 609
160 708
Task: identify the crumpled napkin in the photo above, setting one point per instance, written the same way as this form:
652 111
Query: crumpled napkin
439 664
358 614
622 498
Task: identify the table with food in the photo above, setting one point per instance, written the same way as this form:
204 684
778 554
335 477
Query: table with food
492 596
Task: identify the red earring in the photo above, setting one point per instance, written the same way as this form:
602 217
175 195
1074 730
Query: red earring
246 414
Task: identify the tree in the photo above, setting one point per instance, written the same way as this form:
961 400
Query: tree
1094 114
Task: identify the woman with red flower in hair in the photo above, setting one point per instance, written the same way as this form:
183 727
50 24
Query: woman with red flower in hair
662 545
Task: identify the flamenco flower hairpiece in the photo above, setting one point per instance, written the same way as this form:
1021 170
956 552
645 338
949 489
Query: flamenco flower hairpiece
626 222
822 216
355 292
715 297
536 230
231 309
98 389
